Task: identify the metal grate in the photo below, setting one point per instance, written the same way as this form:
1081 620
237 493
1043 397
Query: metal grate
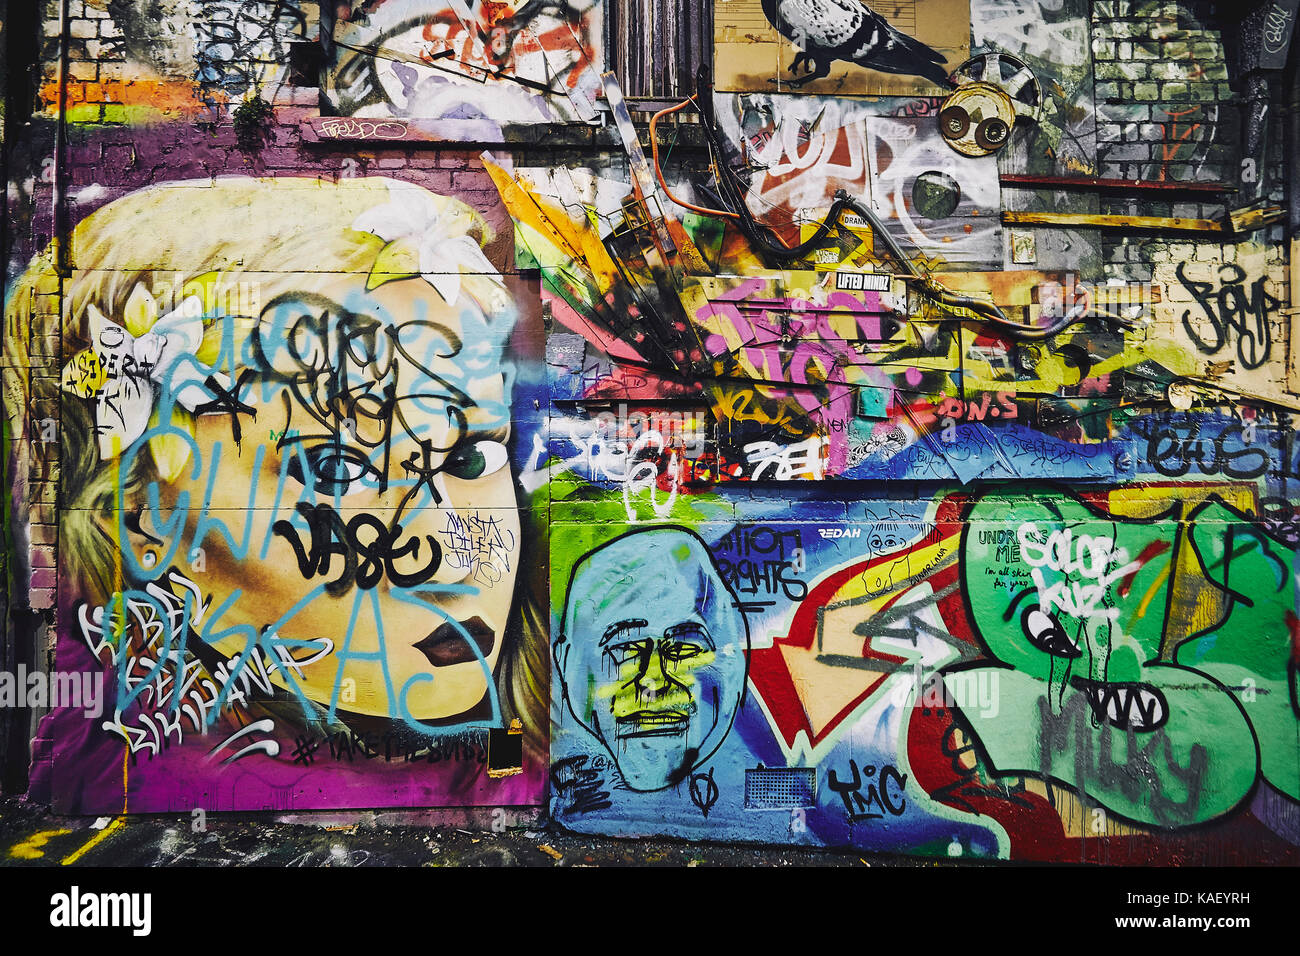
784 789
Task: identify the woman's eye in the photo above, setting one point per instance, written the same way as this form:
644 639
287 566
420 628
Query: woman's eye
334 470
475 460
337 471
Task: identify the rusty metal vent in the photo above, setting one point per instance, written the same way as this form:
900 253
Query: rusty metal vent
783 789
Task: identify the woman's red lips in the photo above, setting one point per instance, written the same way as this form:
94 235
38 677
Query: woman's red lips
447 644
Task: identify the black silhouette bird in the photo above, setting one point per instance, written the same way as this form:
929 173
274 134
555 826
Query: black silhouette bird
830 30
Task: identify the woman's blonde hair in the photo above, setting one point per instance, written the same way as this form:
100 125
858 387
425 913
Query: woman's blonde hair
174 239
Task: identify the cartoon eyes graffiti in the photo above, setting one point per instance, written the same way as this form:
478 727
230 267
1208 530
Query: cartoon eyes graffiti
955 122
1044 631
995 92
476 459
990 132
669 651
680 642
1042 628
887 542
335 469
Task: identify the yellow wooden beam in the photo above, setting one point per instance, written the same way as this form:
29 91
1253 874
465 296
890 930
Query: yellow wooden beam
1172 223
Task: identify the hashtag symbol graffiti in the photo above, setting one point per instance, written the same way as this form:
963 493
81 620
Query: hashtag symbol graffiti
303 753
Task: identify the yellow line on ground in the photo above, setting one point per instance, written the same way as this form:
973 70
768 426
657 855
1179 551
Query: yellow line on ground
94 841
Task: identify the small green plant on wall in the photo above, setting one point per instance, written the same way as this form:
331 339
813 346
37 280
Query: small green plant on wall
250 121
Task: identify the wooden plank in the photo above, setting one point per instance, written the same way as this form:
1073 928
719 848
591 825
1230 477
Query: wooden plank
1254 217
1070 219
644 186
643 181
1292 312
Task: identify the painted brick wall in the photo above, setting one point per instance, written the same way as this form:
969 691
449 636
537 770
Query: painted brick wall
871 467
1168 113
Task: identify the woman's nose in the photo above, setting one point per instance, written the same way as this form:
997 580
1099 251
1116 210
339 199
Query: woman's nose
453 528
455 538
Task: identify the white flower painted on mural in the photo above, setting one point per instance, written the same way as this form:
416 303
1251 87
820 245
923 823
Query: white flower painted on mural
127 366
426 235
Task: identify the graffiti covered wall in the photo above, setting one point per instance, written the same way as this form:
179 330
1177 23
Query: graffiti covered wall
286 450
899 454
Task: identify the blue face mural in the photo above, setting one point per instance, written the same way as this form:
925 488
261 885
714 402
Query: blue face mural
652 654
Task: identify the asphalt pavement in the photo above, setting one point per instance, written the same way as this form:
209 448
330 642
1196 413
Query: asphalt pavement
31 835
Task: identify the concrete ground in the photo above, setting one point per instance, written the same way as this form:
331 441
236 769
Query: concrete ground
32 836
45 858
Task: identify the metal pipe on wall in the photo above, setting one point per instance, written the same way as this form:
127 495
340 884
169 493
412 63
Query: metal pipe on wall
60 145
1291 132
1291 128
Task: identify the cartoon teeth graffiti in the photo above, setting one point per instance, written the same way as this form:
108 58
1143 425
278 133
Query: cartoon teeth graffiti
652 654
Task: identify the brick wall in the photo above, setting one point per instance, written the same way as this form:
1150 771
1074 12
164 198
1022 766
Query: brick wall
174 64
1166 112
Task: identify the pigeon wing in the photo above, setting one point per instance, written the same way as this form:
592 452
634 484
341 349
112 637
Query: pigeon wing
880 46
820 24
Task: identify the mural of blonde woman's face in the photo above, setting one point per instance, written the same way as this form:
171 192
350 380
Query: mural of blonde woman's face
349 507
